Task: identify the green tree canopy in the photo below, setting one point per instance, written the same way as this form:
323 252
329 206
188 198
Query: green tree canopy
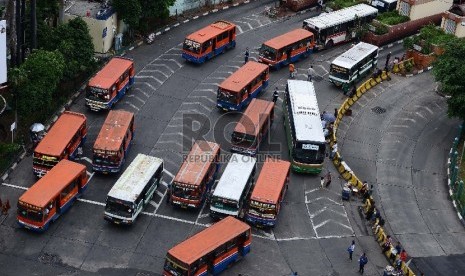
449 70
73 41
129 11
36 80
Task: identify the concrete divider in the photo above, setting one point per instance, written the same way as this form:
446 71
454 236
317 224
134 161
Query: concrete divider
346 172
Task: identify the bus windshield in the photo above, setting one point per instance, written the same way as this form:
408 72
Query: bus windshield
268 52
106 160
191 46
226 96
30 214
309 153
339 72
48 162
118 207
184 192
243 140
96 93
224 204
175 268
262 209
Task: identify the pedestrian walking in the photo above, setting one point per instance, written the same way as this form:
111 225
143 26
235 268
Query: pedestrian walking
6 207
362 261
291 70
333 152
322 182
335 113
320 5
351 249
246 57
388 57
310 72
327 179
275 95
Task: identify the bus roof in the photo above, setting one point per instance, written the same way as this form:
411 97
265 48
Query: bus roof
235 176
354 55
50 186
196 164
61 133
208 240
271 180
110 73
113 130
133 180
243 76
330 19
305 111
211 31
254 117
282 41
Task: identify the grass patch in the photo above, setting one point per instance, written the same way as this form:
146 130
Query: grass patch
7 153
340 4
392 18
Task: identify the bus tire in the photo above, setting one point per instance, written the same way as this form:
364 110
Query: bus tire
329 45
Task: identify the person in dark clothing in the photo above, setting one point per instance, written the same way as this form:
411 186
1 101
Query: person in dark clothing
351 249
275 95
362 261
335 113
246 57
388 57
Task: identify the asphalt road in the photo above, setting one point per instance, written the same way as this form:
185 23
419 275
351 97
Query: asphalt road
314 229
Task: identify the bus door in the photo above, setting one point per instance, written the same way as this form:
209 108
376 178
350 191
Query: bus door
231 35
214 45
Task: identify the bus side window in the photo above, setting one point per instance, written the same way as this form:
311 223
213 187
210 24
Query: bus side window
220 250
230 244
67 191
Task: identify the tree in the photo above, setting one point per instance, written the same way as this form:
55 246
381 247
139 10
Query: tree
36 80
129 11
156 9
449 70
47 11
73 41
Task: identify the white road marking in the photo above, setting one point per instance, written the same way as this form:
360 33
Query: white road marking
203 97
168 173
155 71
164 184
197 103
15 186
172 60
247 23
161 65
154 204
87 159
329 220
143 92
131 105
159 193
90 176
91 202
149 77
149 85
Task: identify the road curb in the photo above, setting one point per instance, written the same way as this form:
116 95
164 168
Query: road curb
451 191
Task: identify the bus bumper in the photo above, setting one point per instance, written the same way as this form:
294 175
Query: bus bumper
304 168
101 169
260 222
117 221
184 205
96 105
227 107
31 227
193 59
244 151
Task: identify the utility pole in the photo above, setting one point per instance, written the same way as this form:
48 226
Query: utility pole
18 32
33 25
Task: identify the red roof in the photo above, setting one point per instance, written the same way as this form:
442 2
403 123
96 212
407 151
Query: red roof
113 130
282 41
211 31
208 240
243 76
49 186
271 180
254 117
109 74
60 134
196 164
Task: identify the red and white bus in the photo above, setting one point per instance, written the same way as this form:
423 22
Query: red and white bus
339 26
210 251
253 127
236 92
268 193
210 41
52 195
287 48
110 84
113 142
196 175
63 139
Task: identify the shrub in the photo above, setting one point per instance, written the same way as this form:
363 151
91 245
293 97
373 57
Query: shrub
392 18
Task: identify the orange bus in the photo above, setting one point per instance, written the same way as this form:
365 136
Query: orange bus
253 127
113 142
210 251
52 195
268 193
110 84
210 41
236 92
287 48
196 175
63 139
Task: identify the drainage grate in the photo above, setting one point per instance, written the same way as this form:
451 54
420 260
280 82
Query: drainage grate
378 110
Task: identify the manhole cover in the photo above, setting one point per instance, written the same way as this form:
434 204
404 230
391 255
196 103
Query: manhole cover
378 110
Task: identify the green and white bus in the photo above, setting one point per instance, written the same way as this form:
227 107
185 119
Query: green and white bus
354 64
134 189
305 138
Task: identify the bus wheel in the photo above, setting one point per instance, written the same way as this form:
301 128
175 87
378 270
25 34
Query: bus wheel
329 45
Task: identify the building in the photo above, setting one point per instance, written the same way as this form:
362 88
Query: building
101 20
453 21
418 9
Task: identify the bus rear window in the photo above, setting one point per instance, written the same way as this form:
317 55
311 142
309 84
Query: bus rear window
227 96
268 52
225 204
119 207
339 72
184 192
243 140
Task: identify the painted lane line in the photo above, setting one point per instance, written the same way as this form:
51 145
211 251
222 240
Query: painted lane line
330 220
247 23
164 184
203 97
323 197
87 159
161 65
149 85
156 71
132 105
90 176
91 202
159 193
154 204
196 103
168 173
239 29
143 92
172 60
15 186
149 77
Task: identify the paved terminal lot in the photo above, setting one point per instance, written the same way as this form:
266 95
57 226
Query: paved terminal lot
314 228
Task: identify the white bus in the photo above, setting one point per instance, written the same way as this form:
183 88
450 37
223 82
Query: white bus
339 26
134 189
302 122
232 189
353 65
